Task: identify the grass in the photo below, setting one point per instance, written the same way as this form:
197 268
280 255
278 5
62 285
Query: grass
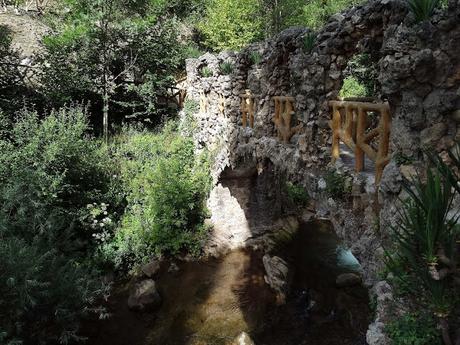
226 68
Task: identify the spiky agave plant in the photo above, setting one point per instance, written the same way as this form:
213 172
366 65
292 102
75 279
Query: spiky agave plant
423 9
426 241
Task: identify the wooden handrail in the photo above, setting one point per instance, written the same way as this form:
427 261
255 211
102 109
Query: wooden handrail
352 132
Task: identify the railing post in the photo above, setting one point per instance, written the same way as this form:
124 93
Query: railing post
250 103
361 126
382 153
243 111
336 119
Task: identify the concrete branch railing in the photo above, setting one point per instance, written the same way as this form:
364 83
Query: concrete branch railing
350 125
284 112
248 108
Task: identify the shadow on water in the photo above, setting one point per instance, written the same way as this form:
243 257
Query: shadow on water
213 301
316 311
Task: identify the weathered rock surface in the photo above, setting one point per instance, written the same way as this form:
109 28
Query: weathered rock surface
144 296
278 275
348 279
418 70
151 268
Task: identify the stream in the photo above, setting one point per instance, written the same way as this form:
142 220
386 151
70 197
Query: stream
211 302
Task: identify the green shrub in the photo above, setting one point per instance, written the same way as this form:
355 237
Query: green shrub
317 12
167 187
414 329
423 9
44 294
309 42
232 24
297 194
255 58
192 51
336 184
206 72
352 88
226 68
50 170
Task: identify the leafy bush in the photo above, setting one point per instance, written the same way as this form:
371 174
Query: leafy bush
50 170
414 329
336 184
167 188
352 88
115 54
44 294
297 194
231 24
226 68
317 12
280 15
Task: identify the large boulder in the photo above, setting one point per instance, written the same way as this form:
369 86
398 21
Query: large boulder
278 275
348 279
144 296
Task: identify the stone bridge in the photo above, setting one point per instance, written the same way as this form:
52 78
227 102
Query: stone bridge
275 107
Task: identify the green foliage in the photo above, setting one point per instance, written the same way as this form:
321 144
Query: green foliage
425 228
336 184
423 9
44 294
231 24
255 58
192 51
414 329
226 68
167 186
352 88
297 194
309 42
280 15
188 125
49 171
126 52
317 12
426 251
206 72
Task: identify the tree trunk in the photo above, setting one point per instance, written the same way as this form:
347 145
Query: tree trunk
105 115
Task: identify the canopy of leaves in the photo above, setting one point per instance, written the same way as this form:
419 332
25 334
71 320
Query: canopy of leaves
232 24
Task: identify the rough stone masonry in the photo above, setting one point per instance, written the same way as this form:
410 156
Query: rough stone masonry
418 74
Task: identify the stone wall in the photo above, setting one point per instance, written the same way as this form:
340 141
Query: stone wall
419 75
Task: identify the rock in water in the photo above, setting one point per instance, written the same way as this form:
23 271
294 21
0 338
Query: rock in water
348 279
144 296
278 276
243 339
